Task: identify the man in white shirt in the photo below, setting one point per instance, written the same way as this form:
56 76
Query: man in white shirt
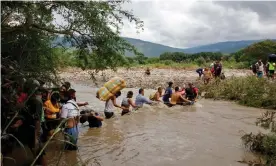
70 111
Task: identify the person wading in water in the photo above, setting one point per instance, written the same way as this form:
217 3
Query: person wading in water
127 102
178 99
168 94
110 105
71 112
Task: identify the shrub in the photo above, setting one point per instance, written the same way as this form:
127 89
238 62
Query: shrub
249 91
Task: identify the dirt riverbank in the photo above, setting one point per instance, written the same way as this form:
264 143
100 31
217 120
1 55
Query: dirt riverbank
136 78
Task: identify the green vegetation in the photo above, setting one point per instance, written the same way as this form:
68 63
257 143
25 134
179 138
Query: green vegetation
264 144
249 91
239 60
28 29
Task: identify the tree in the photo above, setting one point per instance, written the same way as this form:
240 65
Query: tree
92 27
256 51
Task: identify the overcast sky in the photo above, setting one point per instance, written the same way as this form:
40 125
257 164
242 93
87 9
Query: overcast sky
187 23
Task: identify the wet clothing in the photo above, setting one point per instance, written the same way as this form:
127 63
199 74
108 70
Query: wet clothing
71 110
125 103
108 115
94 122
191 93
109 106
167 95
141 100
125 112
109 109
72 137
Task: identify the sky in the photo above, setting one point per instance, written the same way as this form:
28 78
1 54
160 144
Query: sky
188 23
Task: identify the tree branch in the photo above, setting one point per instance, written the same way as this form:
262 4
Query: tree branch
65 32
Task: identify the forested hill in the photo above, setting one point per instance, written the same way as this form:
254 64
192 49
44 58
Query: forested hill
151 49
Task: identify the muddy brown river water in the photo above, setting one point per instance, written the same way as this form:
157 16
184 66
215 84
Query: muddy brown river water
207 133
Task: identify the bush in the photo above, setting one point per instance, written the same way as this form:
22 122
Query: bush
264 144
249 91
167 62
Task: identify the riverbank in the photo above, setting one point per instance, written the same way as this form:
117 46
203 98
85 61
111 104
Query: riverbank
136 78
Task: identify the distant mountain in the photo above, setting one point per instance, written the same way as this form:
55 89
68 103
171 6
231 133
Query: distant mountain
154 50
150 49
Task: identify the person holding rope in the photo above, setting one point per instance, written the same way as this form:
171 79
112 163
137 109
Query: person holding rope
71 112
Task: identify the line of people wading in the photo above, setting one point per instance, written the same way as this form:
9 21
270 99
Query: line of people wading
47 108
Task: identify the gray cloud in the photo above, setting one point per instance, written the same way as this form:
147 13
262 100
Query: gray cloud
188 23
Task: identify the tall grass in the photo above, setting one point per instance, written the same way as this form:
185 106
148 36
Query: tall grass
249 91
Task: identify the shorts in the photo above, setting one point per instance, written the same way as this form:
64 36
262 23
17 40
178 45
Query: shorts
108 115
125 112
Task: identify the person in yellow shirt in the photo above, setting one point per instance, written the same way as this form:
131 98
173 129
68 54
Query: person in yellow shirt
51 110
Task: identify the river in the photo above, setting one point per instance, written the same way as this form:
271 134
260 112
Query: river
207 133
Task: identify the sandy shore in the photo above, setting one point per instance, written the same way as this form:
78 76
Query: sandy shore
136 78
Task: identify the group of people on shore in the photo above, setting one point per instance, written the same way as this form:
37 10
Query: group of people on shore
260 69
213 71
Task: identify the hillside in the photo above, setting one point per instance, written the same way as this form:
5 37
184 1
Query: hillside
154 50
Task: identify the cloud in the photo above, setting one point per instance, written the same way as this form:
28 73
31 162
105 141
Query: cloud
181 23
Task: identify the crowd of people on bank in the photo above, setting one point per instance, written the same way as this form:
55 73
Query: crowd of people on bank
213 71
260 69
